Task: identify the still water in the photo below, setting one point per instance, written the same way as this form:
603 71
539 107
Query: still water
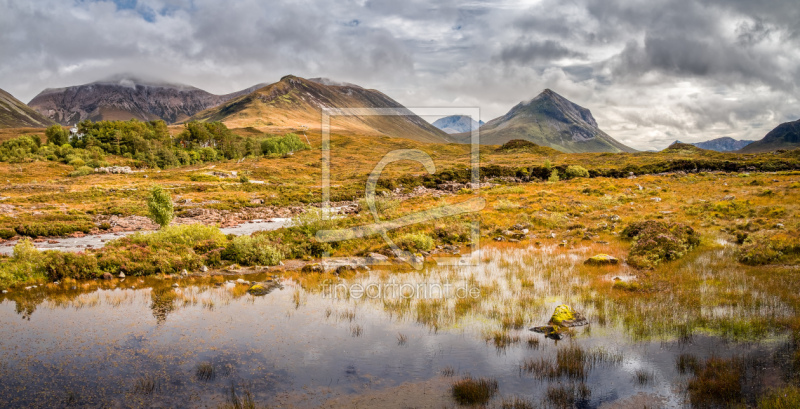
140 342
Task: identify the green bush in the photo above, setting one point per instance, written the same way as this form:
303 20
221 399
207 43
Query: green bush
82 171
76 163
575 171
415 242
6 234
553 176
159 206
24 265
57 135
656 241
189 235
282 145
61 265
252 250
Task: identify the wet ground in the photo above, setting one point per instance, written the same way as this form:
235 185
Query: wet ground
144 343
75 244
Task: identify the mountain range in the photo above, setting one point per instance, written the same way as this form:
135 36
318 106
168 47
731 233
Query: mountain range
124 97
784 136
457 124
295 102
724 144
15 114
549 120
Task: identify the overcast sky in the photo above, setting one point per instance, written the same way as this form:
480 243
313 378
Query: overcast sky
651 71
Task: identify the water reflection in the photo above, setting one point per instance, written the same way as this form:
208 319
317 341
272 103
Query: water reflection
142 341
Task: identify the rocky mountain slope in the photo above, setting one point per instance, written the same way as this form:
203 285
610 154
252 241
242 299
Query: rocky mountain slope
294 103
549 120
126 97
724 144
457 124
15 114
784 136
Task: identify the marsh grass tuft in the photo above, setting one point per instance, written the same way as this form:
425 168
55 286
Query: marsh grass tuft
717 382
533 342
643 377
516 402
401 339
501 339
469 391
356 330
687 363
205 372
147 385
246 401
567 396
448 371
571 362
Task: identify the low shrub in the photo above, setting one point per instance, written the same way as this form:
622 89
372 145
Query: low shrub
6 234
282 145
42 229
415 242
252 250
768 246
61 265
81 171
657 241
189 235
575 171
24 265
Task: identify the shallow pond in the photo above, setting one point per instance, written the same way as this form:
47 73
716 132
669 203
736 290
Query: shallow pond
142 342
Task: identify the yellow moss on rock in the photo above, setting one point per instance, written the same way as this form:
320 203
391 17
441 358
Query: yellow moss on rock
562 313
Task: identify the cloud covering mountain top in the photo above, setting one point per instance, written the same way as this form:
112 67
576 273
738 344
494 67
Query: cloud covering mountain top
650 71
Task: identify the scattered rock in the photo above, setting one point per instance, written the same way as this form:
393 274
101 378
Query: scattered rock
779 225
614 218
5 291
240 281
344 268
175 285
115 170
729 197
107 276
259 289
373 258
184 272
601 260
121 275
204 269
313 268
656 199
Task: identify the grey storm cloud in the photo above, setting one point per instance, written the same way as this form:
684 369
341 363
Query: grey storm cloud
650 71
537 51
